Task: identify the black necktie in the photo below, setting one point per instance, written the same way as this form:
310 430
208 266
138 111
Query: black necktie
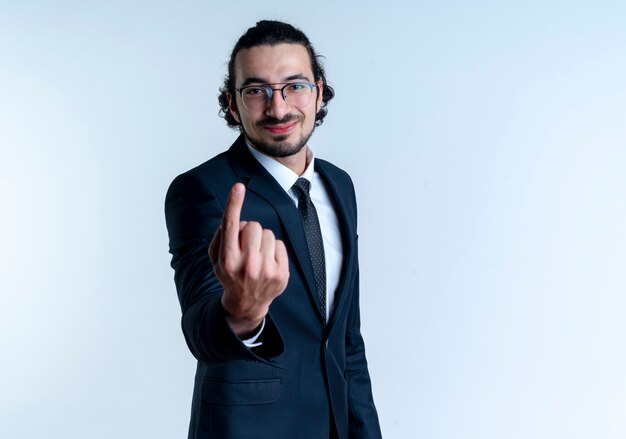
313 238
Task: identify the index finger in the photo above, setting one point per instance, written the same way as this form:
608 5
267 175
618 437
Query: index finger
232 215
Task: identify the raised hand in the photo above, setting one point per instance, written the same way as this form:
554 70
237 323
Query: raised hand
250 263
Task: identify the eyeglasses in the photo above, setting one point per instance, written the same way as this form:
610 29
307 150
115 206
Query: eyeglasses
256 97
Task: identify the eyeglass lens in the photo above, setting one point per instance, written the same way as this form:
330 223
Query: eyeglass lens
257 97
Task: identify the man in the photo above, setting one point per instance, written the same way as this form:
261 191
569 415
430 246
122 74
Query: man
264 247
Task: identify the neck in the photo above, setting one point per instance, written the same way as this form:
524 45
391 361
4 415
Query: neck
296 162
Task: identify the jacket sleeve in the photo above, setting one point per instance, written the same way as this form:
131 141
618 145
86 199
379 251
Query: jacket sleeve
363 418
193 211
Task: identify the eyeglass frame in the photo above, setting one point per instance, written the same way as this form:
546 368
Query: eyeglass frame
270 95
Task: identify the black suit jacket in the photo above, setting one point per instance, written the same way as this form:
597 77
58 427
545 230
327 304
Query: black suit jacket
305 375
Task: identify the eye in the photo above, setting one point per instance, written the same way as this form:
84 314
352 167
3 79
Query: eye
254 91
296 86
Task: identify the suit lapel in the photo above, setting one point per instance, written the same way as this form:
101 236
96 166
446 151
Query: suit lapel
342 202
261 183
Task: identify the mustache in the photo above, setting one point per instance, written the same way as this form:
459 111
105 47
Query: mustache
270 121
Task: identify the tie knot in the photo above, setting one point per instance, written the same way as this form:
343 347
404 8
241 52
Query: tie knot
302 187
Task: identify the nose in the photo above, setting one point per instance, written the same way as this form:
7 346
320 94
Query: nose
277 107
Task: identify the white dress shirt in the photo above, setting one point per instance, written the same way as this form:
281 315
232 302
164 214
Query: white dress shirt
329 223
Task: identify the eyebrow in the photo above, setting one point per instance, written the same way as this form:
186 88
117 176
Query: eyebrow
256 80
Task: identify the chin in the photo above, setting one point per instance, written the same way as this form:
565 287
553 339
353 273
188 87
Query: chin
279 149
279 146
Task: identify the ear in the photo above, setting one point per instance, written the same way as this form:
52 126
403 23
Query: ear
232 106
320 96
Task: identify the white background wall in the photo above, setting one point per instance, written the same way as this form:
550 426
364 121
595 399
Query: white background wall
487 141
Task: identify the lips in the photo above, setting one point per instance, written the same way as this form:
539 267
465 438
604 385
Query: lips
280 129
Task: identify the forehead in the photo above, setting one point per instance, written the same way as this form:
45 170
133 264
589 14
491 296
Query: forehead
272 63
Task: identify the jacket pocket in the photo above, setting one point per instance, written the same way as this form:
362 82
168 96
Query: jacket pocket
248 392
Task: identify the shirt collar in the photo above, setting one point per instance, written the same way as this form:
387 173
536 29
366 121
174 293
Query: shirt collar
281 173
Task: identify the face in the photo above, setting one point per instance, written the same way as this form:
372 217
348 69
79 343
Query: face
280 129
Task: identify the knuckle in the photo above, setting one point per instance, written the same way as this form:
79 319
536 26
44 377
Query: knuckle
228 266
268 272
251 229
268 234
254 226
252 268
229 223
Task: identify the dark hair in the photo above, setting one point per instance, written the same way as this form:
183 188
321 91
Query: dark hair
270 33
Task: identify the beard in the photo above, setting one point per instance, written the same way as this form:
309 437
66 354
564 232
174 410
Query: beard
279 147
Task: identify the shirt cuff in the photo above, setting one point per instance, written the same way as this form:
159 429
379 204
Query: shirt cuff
252 341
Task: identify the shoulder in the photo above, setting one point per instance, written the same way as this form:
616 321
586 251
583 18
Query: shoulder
196 198
336 177
328 167
333 172
202 177
340 186
215 174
